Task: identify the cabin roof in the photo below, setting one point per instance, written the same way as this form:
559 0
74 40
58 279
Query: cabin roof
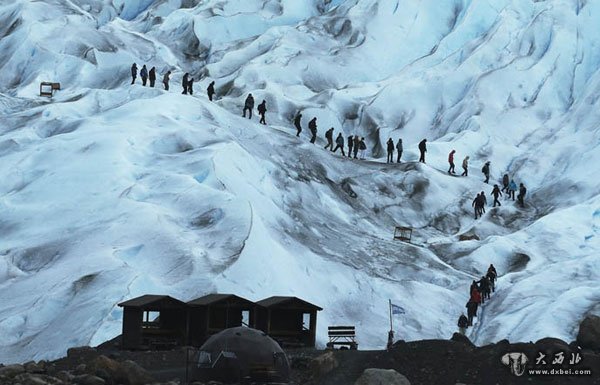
276 301
152 300
216 299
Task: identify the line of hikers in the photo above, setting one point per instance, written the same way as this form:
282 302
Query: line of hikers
478 293
509 187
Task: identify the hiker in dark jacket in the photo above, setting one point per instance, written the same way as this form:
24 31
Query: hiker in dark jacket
248 106
399 149
362 146
521 196
329 137
512 188
166 79
144 75
390 151
477 206
133 73
423 150
484 286
463 324
505 183
465 166
297 124
312 126
184 83
152 76
471 311
339 143
483 201
486 171
496 193
210 91
492 275
451 161
262 110
356 145
350 145
191 86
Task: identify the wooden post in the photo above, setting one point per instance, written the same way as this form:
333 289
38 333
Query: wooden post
313 328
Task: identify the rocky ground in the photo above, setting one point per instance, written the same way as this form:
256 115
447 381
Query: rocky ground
428 362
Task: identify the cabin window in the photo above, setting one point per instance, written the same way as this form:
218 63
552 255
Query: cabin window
246 318
306 321
151 319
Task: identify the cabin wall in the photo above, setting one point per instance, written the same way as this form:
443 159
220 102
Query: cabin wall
132 328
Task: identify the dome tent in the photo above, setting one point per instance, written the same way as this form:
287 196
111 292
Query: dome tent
241 354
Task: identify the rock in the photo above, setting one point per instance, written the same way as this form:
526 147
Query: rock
381 377
323 364
32 367
554 344
64 376
35 379
88 379
468 237
103 374
457 337
81 369
82 353
136 375
12 370
589 333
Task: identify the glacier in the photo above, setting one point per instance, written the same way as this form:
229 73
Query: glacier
112 191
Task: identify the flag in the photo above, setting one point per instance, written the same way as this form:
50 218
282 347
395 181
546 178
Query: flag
398 309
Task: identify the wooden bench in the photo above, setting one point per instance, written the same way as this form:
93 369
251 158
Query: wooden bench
342 335
48 88
402 233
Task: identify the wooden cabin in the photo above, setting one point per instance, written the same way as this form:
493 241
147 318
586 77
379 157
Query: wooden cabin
213 313
153 322
291 321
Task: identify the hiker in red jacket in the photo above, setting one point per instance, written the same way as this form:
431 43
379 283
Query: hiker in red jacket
451 161
476 296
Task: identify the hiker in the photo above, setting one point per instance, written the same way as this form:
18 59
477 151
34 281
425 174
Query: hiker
191 86
356 145
465 166
363 147
152 76
471 311
210 91
133 73
484 287
329 137
463 324
350 144
483 201
496 193
399 150
339 141
521 196
390 151
512 188
423 150
248 106
505 183
297 124
477 205
486 171
492 274
474 286
451 161
262 110
476 296
184 83
166 79
312 126
144 75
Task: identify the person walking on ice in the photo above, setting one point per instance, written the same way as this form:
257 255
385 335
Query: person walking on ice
350 145
297 120
512 188
190 85
133 73
184 83
463 324
312 126
329 137
363 147
423 150
505 183
521 196
144 75
399 150
248 106
152 76
262 110
390 151
496 193
210 90
356 145
486 171
339 141
465 166
166 79
451 161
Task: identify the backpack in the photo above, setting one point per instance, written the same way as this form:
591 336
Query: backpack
363 146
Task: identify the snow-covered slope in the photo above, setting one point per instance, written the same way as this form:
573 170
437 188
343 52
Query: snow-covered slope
111 191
